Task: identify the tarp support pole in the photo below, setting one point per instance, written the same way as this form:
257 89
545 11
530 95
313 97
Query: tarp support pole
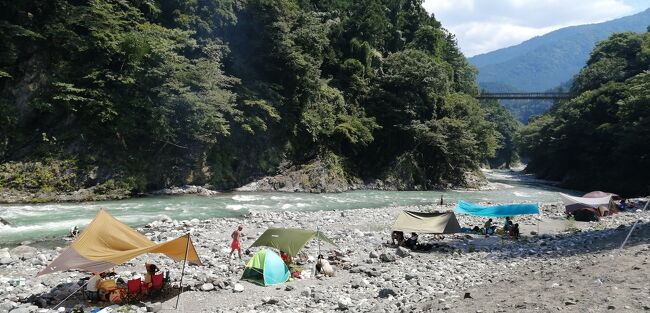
634 226
187 247
66 298
540 218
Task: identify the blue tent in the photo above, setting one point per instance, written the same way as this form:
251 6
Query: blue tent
266 268
496 210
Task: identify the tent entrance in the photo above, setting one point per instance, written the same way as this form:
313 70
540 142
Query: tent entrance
253 275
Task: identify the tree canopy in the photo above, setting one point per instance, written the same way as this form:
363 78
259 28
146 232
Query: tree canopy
167 92
597 140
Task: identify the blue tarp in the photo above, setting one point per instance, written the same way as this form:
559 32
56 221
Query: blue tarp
496 210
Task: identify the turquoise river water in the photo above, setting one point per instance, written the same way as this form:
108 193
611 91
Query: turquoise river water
49 220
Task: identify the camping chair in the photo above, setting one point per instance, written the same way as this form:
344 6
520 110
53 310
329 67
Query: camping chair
157 281
134 287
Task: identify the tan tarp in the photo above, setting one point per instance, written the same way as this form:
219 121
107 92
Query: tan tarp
427 223
107 242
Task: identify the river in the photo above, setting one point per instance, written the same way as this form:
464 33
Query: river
50 220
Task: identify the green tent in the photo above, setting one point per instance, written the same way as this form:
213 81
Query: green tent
266 268
289 240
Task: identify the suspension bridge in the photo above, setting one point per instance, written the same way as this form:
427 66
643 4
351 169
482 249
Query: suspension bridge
524 95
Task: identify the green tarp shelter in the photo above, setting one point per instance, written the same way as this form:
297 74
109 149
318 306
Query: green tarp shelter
289 240
266 268
427 223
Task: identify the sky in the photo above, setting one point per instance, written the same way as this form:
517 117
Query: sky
485 25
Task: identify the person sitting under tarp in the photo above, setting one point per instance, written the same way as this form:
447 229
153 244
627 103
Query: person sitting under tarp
286 258
487 227
508 224
151 269
412 241
92 287
514 231
397 237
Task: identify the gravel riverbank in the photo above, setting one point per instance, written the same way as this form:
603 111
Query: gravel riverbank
564 266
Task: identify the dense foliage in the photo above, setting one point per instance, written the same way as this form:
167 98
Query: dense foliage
598 140
507 127
164 92
552 59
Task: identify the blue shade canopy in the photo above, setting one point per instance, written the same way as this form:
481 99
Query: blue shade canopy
502 210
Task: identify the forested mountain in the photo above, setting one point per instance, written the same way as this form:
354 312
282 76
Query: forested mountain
144 94
550 60
598 139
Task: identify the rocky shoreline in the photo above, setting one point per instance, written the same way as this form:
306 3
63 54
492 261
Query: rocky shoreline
278 183
371 275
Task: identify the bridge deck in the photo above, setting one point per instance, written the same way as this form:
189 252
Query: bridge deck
524 95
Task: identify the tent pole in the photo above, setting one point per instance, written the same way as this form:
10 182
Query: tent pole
187 246
66 298
540 219
634 226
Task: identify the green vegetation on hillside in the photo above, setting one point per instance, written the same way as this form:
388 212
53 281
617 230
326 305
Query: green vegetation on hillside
550 60
598 140
152 93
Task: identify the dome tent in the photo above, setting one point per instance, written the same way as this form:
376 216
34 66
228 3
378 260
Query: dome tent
266 268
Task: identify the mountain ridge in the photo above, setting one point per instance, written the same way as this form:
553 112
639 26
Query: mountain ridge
553 58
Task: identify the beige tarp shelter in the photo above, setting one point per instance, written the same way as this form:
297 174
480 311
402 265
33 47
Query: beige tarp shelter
107 242
427 223
572 204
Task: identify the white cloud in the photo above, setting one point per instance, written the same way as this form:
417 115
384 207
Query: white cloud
482 26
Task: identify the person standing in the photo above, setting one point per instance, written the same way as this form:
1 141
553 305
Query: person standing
236 241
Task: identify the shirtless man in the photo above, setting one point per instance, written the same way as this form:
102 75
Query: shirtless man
236 241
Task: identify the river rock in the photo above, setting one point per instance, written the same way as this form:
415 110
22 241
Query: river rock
387 257
373 255
238 288
386 292
306 292
344 303
207 287
402 252
410 276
